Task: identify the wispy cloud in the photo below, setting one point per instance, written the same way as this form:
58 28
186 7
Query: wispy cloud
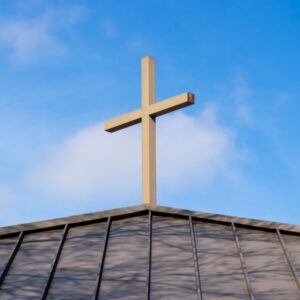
94 164
7 193
109 28
236 98
241 95
27 41
30 39
283 98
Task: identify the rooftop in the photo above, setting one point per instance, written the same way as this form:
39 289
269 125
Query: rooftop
145 252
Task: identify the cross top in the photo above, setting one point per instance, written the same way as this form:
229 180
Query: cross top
146 115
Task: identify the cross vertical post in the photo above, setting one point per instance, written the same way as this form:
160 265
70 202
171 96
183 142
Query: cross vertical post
148 133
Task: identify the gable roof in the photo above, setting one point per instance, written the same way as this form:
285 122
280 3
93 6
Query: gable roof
150 252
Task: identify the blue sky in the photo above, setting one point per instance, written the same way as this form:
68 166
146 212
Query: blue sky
66 66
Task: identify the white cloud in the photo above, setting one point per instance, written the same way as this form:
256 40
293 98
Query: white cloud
89 163
95 164
193 150
30 39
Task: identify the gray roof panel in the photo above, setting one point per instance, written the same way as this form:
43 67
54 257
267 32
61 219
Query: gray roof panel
219 262
27 274
268 270
76 271
172 272
6 247
150 253
125 268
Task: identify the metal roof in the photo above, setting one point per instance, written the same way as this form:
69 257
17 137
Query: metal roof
145 252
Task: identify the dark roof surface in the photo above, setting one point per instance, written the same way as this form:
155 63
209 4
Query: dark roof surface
144 252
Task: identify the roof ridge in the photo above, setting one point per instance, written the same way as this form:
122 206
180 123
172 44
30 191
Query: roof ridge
138 209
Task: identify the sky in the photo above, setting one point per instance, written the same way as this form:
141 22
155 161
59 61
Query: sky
67 66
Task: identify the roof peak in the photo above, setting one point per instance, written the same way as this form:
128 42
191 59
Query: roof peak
118 213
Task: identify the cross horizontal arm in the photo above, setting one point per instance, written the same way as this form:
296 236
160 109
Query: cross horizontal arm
123 121
156 109
171 104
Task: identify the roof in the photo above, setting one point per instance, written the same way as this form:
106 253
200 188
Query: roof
145 252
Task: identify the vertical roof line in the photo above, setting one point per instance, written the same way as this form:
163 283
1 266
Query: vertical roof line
243 264
55 262
12 256
286 254
101 266
195 257
149 254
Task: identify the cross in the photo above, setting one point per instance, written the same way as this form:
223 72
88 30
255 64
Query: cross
146 115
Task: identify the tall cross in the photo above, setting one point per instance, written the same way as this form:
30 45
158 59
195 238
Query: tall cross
146 115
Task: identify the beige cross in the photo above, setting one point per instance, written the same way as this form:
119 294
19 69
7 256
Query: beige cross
146 115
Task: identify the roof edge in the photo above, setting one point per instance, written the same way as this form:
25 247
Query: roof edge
123 212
